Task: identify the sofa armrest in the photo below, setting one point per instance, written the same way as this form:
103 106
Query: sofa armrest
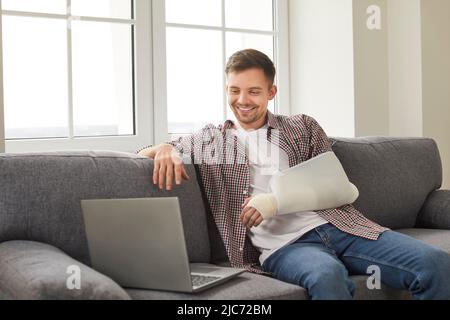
435 213
33 270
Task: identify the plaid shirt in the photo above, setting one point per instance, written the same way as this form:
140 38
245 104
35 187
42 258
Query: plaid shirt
227 183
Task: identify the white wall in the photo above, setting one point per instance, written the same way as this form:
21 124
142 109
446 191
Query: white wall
436 77
405 68
371 71
321 57
360 82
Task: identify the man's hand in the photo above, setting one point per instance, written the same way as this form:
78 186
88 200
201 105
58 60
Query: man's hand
250 217
168 166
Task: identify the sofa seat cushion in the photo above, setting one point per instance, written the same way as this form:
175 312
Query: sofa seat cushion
247 286
384 293
436 237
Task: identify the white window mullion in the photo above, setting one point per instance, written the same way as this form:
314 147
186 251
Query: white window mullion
222 28
224 56
69 70
160 114
281 55
144 70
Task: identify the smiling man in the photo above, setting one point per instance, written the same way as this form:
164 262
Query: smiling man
313 249
249 91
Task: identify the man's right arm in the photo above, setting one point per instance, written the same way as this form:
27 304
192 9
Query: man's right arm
150 152
167 166
168 161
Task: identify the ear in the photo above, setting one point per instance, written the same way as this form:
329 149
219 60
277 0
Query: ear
273 92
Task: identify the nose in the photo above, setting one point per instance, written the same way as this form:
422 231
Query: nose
243 99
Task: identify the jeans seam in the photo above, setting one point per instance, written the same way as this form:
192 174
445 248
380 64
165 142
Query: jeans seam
324 238
364 257
326 242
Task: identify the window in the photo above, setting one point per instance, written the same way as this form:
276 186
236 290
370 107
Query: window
200 37
70 74
121 74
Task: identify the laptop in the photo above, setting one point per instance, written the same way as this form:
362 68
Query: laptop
139 243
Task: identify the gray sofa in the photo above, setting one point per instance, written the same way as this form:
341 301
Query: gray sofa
42 231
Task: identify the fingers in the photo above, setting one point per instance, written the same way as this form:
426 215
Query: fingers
245 202
250 217
184 174
156 172
168 167
244 213
178 174
258 221
165 173
161 175
255 216
169 177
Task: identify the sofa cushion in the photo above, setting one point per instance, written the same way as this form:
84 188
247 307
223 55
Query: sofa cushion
40 197
394 176
384 293
33 270
435 237
247 286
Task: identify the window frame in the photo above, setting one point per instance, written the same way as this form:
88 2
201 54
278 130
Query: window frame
143 112
281 53
150 114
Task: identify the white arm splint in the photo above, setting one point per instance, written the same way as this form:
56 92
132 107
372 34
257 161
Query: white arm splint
316 184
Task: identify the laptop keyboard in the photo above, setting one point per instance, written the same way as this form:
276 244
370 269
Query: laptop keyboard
198 280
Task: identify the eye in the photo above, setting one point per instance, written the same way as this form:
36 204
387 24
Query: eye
255 92
234 91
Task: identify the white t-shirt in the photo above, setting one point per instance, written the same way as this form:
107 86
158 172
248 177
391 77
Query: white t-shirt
281 230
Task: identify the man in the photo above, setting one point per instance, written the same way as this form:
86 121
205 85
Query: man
316 250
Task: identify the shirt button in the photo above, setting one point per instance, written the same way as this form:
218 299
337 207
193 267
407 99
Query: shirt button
245 192
241 249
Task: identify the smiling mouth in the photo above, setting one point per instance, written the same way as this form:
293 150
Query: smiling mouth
242 109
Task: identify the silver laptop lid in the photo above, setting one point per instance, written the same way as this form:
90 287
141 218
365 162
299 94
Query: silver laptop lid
115 226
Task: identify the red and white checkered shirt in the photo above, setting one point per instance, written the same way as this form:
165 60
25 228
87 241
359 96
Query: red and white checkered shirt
227 182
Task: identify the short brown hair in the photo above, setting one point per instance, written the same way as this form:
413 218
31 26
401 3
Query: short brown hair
251 58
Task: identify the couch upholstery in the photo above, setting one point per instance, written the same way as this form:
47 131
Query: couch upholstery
42 231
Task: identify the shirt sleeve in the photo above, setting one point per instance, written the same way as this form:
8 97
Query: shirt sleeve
318 139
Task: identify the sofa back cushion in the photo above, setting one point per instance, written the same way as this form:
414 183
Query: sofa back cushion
394 176
40 197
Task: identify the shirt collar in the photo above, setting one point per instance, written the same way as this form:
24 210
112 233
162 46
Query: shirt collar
271 121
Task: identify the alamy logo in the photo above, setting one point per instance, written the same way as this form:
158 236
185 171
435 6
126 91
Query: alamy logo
212 147
374 19
374 281
74 279
71 18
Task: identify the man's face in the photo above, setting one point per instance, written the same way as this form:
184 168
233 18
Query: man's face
249 93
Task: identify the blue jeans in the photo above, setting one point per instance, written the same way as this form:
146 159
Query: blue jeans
323 258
